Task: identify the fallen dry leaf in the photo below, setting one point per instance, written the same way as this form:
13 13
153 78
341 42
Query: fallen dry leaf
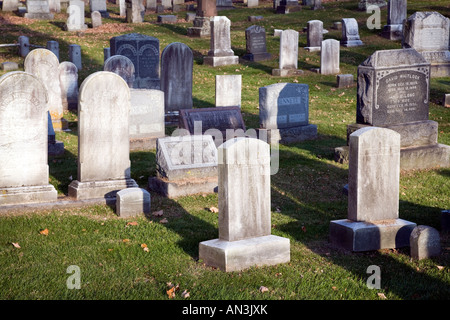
126 240
145 247
185 294
158 213
214 209
263 289
303 228
132 223
44 232
334 288
171 293
440 267
163 220
16 245
381 295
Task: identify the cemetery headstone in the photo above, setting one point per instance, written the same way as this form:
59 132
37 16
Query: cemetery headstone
446 100
24 172
288 60
364 4
44 65
255 37
75 21
38 9
75 55
143 50
10 5
167 18
393 92
220 53
284 113
122 8
151 5
185 165
135 11
53 46
201 25
100 6
132 202
224 4
344 80
24 46
103 138
350 33
286 6
55 148
329 57
122 66
9 66
252 3
96 19
177 62
228 90
314 35
146 118
396 16
106 54
425 242
245 238
429 34
54 6
167 4
68 78
373 194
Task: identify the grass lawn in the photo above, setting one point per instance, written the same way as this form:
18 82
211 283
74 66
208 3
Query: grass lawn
141 258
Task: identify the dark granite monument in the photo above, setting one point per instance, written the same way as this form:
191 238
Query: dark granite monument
256 44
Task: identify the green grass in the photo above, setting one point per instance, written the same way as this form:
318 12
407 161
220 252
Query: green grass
306 192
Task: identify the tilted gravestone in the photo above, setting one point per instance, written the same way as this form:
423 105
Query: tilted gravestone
24 173
44 65
122 66
245 238
373 194
103 138
143 51
393 92
288 60
228 90
185 165
220 53
314 35
429 34
350 33
146 118
177 61
68 78
284 113
255 37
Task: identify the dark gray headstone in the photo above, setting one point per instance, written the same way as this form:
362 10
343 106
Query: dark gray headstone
256 44
143 51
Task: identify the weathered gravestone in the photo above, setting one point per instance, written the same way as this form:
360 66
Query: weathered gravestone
288 60
122 8
396 16
167 18
222 123
9 66
44 65
133 202
255 37
10 5
245 238
75 21
38 9
228 90
314 35
344 80
428 33
329 57
224 4
425 242
167 4
364 4
103 138
75 55
55 148
286 6
373 194
177 62
202 25
54 6
350 33
185 165
96 19
24 172
144 52
220 53
135 11
106 54
252 3
317 5
151 5
284 113
68 78
100 6
146 118
446 100
122 66
393 92
53 46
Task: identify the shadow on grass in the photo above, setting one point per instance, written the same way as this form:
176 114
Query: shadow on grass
182 30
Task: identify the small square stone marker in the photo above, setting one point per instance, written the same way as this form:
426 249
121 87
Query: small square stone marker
132 202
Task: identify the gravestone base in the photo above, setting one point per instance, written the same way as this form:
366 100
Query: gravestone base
312 49
242 254
148 143
393 32
99 189
39 16
286 72
289 135
220 61
440 70
24 195
257 56
180 188
352 43
359 236
201 28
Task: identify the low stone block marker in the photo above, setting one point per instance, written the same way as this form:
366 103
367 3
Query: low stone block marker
132 202
424 242
344 80
245 238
